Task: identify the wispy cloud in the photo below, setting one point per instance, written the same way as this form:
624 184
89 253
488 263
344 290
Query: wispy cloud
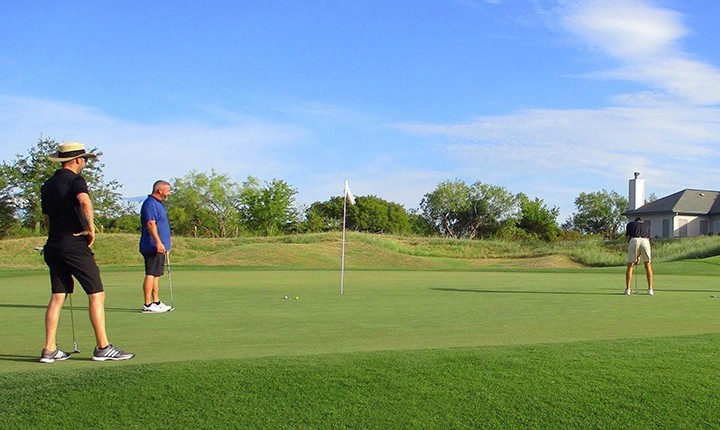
137 154
669 131
645 39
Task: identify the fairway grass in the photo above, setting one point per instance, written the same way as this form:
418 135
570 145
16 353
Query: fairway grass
407 349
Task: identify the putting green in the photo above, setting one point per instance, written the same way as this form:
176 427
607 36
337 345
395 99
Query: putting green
229 313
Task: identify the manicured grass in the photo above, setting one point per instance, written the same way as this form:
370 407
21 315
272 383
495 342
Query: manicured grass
668 383
402 349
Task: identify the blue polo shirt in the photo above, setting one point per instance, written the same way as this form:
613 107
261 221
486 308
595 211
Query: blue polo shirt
153 210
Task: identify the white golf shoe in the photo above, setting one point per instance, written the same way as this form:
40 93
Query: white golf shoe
162 305
153 308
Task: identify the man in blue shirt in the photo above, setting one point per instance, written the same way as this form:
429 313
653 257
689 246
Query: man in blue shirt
155 243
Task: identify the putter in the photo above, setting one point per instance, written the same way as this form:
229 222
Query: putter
172 299
636 276
72 322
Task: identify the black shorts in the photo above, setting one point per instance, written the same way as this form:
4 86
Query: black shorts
72 259
154 263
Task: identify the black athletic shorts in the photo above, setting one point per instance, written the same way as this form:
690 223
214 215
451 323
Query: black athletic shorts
154 263
72 258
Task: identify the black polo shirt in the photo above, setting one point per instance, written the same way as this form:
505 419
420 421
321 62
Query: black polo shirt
637 229
60 203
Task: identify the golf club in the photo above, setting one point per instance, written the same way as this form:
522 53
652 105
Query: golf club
637 272
41 249
72 322
636 276
172 300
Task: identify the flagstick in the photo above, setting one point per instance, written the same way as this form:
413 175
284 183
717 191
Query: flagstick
342 261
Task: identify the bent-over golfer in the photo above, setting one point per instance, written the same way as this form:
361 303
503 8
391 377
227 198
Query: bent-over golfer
639 234
69 221
155 243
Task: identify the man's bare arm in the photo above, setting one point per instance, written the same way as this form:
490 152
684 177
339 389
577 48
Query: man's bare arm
87 218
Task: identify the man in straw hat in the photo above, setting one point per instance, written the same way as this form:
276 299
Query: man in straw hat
69 220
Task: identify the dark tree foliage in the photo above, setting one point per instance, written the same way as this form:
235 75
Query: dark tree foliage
598 213
26 173
369 214
537 220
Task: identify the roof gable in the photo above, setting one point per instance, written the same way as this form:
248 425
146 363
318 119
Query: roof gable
687 201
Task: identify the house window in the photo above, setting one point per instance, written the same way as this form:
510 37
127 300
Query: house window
703 227
666 228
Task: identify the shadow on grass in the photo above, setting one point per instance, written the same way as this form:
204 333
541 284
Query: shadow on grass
19 358
465 290
691 291
80 308
36 358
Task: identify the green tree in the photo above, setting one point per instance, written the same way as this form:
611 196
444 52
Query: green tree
490 207
598 213
421 226
463 211
374 215
537 219
25 175
204 205
267 210
7 211
324 216
369 214
447 207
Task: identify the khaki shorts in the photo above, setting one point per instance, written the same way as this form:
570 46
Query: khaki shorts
639 246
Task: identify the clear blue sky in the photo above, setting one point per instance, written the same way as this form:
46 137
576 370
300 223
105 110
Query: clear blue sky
546 97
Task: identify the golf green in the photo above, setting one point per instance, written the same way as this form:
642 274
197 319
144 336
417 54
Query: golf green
226 313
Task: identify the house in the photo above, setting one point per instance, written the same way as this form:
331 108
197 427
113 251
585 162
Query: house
688 212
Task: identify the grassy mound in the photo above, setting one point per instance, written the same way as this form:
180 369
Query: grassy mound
368 252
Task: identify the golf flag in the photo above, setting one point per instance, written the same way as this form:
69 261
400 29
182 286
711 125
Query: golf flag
351 199
348 194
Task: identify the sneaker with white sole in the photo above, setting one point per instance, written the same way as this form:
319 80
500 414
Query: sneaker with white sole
153 308
162 305
48 356
628 291
651 292
111 353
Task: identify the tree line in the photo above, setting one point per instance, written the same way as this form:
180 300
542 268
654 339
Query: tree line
212 204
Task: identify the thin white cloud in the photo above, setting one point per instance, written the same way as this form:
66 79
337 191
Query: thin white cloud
645 39
670 132
624 28
608 138
137 154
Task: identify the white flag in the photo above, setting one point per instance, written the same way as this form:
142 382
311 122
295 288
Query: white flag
348 194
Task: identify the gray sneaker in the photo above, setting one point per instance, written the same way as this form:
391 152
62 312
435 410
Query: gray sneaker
48 356
111 353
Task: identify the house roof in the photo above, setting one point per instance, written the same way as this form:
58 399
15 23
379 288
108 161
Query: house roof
687 201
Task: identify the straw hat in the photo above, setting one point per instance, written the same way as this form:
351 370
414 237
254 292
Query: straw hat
70 151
